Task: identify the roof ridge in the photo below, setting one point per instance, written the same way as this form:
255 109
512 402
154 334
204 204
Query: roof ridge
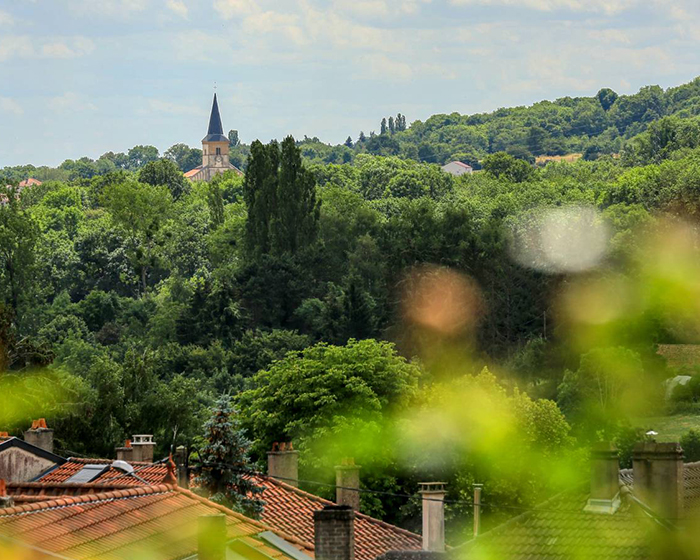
97 460
65 501
69 485
242 517
316 498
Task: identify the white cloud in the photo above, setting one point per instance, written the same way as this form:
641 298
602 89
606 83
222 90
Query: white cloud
171 108
15 46
270 22
73 48
108 8
24 46
178 7
6 19
605 6
229 9
8 105
382 67
70 102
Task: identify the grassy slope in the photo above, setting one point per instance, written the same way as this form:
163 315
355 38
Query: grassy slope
670 428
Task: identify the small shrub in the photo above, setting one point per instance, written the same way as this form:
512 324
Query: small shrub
690 442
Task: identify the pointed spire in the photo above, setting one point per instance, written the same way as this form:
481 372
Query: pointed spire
215 132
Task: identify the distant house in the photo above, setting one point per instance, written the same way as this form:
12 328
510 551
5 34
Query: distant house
31 182
457 168
25 459
680 355
619 514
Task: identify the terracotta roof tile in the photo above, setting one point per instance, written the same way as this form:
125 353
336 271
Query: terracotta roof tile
193 172
559 529
151 473
291 510
287 508
160 520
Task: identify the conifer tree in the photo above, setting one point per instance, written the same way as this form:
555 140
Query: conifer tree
362 138
383 126
348 142
224 468
392 128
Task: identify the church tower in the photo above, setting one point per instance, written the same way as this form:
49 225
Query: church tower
215 144
215 149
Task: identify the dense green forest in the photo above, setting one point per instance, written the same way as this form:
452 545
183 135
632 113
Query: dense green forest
134 297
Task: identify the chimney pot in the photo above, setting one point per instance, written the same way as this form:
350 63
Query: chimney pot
143 447
211 538
334 533
433 494
347 483
5 500
283 464
605 480
40 435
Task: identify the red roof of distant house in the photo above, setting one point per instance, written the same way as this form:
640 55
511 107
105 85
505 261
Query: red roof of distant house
462 164
193 172
151 473
291 510
29 182
158 521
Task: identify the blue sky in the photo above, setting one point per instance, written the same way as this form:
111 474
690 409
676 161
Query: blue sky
82 77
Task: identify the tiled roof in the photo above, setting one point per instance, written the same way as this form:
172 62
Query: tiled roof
559 529
691 479
151 473
460 164
291 510
287 508
29 182
193 172
159 520
29 492
678 355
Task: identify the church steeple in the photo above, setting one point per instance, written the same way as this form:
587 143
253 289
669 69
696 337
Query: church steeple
216 129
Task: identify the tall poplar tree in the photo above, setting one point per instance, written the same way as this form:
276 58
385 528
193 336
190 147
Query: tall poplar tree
280 193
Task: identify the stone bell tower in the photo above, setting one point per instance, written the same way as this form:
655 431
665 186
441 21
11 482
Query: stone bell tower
215 148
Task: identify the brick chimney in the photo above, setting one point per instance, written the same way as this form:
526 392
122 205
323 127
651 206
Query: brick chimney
347 484
40 435
334 533
125 453
143 446
183 473
283 463
658 477
433 494
5 500
211 537
605 480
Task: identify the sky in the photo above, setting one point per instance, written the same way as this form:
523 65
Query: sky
83 77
